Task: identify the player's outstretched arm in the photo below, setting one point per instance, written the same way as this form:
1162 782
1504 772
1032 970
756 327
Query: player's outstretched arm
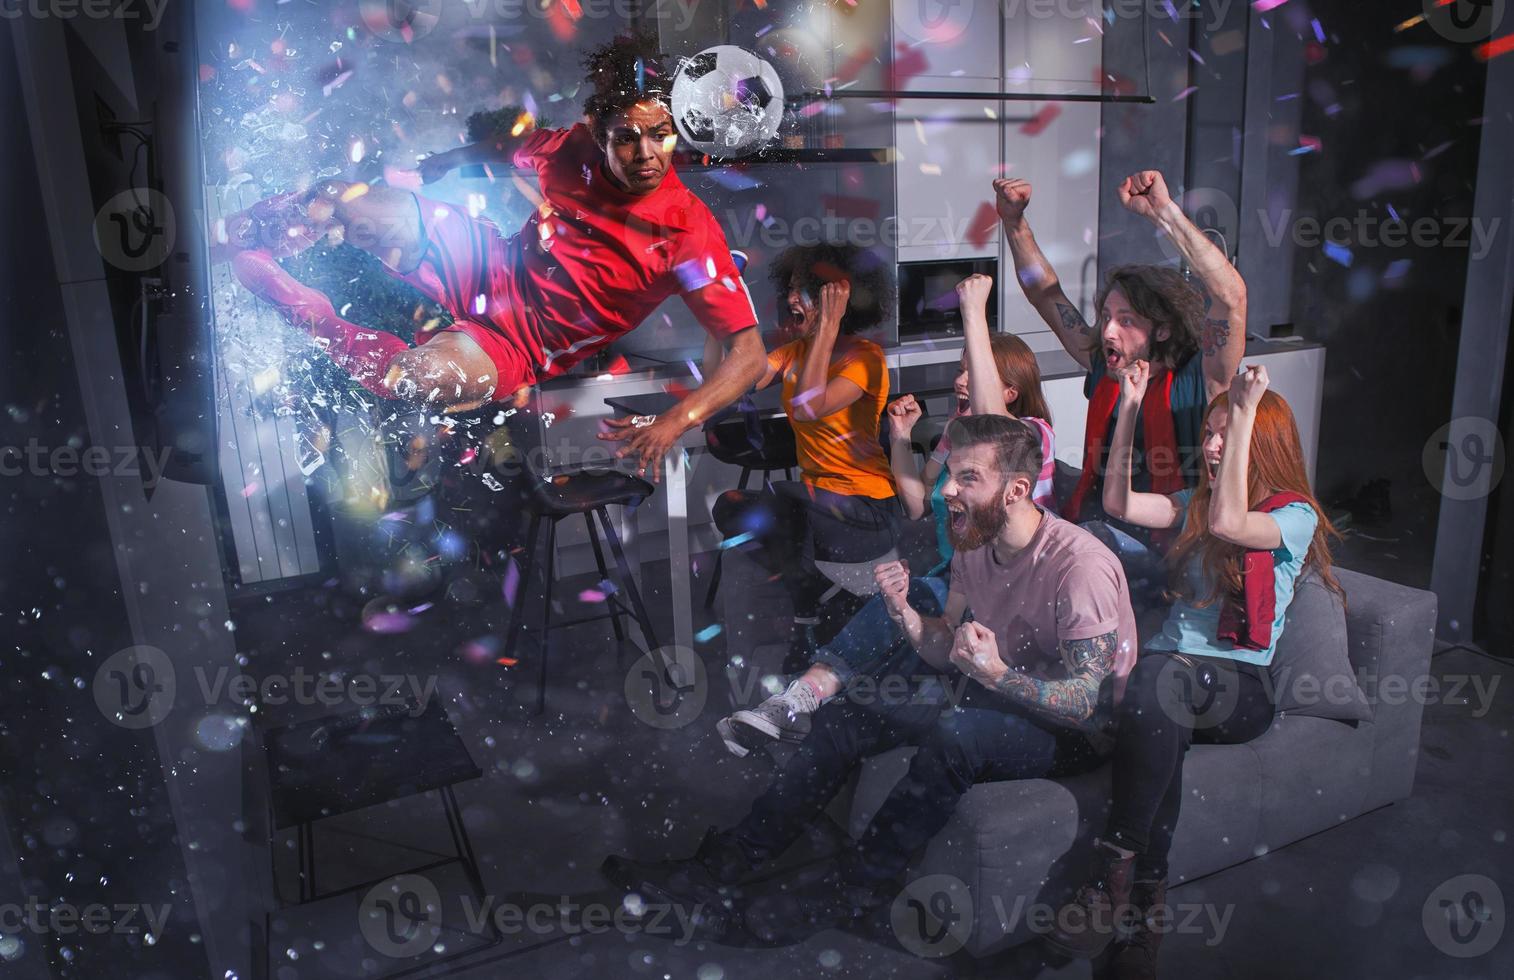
650 440
1038 280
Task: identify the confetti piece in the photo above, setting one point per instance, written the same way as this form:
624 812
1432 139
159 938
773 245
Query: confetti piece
1262 6
1489 50
737 541
1185 93
1037 124
591 596
984 224
708 633
1339 254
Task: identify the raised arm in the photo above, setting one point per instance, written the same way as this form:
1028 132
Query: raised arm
984 386
910 483
500 150
1230 515
931 636
1154 510
1223 340
816 394
1038 280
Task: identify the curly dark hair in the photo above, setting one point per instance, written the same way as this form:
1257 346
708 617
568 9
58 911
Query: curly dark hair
1163 296
624 72
808 267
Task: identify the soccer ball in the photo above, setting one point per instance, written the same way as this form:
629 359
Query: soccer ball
727 102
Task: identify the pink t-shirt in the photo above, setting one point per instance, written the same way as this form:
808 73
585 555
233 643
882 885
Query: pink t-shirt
1064 585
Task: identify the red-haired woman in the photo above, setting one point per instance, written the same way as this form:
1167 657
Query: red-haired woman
1244 536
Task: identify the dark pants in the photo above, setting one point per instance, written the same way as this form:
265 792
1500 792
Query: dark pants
981 739
791 525
1168 705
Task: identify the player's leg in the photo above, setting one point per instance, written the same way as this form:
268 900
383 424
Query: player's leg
384 221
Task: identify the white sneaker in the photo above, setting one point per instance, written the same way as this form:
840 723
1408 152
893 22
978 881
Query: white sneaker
783 718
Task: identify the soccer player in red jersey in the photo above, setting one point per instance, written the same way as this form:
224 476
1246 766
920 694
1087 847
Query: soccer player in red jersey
614 234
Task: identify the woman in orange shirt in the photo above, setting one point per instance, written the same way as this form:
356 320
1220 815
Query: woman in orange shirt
835 384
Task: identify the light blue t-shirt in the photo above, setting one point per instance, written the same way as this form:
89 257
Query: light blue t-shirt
1193 629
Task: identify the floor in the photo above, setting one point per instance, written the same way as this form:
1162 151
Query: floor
592 776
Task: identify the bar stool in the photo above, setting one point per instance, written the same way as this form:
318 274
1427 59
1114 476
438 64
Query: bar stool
587 492
756 445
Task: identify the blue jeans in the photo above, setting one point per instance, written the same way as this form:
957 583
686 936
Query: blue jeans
871 644
984 738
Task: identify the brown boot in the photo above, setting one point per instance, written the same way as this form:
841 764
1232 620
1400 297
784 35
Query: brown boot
1085 926
1135 958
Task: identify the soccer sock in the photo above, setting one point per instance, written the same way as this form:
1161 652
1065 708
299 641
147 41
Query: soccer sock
363 354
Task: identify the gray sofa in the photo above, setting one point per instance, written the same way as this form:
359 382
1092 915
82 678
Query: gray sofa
1026 841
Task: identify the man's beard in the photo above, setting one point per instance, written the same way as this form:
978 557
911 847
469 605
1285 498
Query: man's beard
983 525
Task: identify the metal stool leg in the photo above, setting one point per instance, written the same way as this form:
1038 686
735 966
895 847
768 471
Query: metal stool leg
546 620
709 595
604 574
513 632
628 583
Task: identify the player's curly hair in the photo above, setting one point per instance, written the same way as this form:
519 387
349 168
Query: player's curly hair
624 72
808 267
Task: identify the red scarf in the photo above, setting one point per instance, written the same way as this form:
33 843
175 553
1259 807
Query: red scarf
1246 620
1157 423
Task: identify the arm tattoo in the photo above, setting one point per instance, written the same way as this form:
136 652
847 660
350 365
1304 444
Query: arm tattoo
1071 701
1072 320
1215 336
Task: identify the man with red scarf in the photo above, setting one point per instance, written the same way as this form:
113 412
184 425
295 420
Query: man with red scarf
1193 343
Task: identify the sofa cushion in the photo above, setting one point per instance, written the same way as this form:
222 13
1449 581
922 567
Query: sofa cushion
1315 775
1311 670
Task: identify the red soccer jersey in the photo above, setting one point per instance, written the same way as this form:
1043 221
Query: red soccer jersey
594 261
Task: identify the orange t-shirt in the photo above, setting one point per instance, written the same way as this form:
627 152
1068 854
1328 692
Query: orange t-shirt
841 452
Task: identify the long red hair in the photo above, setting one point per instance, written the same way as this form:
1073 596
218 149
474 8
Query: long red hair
1276 464
1018 368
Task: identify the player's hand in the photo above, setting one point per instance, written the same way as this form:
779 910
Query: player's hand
435 166
975 652
1247 388
972 293
1133 381
903 413
833 299
1145 193
649 443
893 584
1011 197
